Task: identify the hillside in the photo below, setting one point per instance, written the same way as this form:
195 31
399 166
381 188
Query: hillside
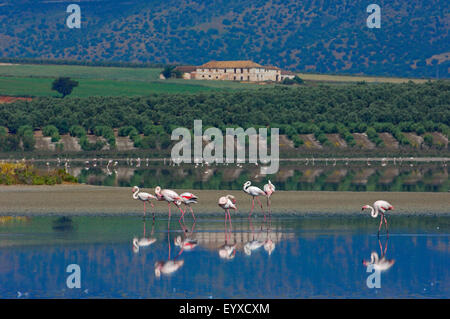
320 36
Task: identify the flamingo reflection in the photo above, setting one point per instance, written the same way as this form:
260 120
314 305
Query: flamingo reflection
168 266
380 264
143 241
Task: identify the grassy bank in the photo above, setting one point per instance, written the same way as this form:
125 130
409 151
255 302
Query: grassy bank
20 173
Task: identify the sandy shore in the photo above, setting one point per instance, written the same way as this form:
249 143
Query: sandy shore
86 200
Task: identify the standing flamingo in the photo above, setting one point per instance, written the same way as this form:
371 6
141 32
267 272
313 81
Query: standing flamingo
269 189
170 197
145 197
227 202
254 192
380 206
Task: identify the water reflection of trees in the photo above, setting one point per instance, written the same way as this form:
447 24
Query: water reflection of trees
429 178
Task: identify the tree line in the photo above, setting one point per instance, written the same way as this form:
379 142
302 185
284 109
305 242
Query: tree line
318 110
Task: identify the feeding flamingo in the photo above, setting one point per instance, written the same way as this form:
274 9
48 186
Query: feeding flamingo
227 202
187 199
380 206
170 197
254 192
145 197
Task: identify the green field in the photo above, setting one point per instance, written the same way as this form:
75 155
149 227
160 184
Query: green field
14 86
35 80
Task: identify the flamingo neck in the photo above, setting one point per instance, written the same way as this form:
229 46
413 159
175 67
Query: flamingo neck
135 194
373 212
246 186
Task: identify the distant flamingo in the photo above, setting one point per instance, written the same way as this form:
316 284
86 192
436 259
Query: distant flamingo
254 192
170 197
227 251
227 202
269 189
380 206
145 197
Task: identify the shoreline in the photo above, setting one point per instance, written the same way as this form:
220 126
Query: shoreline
79 199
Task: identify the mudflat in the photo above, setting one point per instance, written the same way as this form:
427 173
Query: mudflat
101 200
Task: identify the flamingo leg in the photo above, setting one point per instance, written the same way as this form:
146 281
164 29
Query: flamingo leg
262 209
251 211
381 223
153 212
168 223
385 222
144 210
229 220
192 212
182 217
226 233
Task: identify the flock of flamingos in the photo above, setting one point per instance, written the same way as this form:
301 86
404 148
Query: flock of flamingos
228 202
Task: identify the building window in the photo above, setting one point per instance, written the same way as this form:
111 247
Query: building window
235 72
235 77
242 77
242 70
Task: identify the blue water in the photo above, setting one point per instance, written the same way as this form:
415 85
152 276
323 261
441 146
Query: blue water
315 257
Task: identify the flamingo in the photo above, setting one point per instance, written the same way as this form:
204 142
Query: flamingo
254 192
227 202
170 197
187 199
145 197
269 189
380 206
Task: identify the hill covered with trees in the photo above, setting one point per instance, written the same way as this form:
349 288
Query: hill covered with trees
321 36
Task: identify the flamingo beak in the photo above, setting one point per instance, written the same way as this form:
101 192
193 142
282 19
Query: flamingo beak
391 208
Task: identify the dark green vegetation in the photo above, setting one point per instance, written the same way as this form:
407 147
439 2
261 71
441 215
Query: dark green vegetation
20 173
64 85
311 35
320 110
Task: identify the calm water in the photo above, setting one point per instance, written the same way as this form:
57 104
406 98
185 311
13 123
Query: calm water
321 176
297 258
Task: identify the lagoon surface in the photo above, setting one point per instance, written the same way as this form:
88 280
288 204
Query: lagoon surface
290 257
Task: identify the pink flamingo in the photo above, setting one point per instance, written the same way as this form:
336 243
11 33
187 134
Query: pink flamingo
380 206
145 197
269 189
254 192
170 197
187 199
228 202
